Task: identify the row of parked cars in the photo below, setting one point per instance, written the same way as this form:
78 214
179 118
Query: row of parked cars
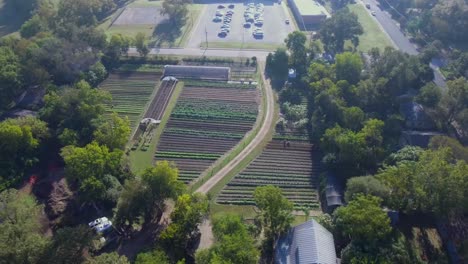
226 18
254 16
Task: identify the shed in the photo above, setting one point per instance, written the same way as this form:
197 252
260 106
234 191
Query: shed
307 243
198 72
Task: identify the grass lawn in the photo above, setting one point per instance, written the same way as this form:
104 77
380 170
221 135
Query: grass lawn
140 160
373 36
161 35
240 45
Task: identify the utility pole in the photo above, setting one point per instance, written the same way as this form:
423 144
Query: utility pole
206 38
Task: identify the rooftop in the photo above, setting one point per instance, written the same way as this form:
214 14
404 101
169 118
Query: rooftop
310 8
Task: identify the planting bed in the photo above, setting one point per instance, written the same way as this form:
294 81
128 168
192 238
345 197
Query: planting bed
130 92
206 123
292 166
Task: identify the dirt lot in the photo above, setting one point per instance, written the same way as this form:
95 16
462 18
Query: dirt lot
140 16
274 27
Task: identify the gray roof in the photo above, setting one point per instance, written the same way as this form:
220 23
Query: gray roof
308 243
197 72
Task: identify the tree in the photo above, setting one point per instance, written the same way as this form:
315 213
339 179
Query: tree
146 196
114 133
109 258
429 95
277 67
179 237
295 42
88 165
348 67
343 25
176 10
454 103
408 153
140 44
21 239
459 151
32 27
155 256
435 183
367 185
233 243
337 4
96 74
10 77
363 221
274 213
78 109
118 46
69 245
20 140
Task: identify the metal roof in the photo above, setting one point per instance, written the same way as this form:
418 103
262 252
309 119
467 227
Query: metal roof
308 243
197 72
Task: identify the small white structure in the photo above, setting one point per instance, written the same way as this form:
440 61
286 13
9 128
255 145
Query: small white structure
148 121
100 225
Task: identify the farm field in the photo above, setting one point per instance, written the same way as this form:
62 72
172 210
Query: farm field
206 122
130 92
293 167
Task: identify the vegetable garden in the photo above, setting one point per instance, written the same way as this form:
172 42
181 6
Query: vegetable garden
291 165
130 93
206 123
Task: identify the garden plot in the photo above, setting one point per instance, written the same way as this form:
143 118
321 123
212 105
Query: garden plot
206 123
292 166
130 93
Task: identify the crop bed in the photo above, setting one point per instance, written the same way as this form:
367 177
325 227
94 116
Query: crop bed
130 93
205 124
294 167
160 101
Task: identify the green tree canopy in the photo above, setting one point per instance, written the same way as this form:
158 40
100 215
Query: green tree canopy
141 45
363 221
181 233
114 133
296 44
155 256
367 185
109 258
177 11
343 25
69 245
274 214
21 239
277 67
10 76
348 67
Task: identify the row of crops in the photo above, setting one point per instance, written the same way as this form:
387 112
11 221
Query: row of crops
291 165
130 93
205 124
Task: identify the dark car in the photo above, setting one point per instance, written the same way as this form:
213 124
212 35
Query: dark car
231 6
221 6
222 34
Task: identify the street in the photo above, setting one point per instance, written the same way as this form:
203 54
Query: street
401 41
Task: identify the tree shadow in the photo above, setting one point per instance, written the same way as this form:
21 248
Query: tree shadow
10 18
167 33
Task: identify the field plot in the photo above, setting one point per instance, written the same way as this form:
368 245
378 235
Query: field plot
130 93
205 124
292 166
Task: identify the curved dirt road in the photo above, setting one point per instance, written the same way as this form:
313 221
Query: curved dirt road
264 129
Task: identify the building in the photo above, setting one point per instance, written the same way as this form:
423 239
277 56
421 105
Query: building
307 243
333 192
308 13
198 72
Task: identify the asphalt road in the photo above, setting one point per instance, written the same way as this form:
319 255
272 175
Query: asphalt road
237 53
399 39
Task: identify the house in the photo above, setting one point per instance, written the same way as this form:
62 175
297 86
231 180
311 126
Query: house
307 243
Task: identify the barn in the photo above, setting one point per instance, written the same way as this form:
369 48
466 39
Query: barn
198 72
308 13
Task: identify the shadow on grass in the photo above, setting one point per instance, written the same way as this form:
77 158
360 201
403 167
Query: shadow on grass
166 33
10 19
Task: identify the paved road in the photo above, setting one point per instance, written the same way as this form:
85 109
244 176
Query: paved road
262 133
237 53
399 39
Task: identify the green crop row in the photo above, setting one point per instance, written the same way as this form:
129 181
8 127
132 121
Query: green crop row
187 155
211 134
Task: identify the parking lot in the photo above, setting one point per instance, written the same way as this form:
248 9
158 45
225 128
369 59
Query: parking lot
271 17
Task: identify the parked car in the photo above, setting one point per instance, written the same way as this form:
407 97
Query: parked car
287 21
247 25
231 6
221 6
217 19
222 34
373 13
98 221
368 6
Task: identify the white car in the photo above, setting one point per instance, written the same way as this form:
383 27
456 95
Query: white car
103 227
98 222
217 19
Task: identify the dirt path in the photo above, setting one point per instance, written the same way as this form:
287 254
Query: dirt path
265 127
207 238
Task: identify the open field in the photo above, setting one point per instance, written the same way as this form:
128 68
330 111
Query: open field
205 124
293 168
144 16
130 92
373 35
